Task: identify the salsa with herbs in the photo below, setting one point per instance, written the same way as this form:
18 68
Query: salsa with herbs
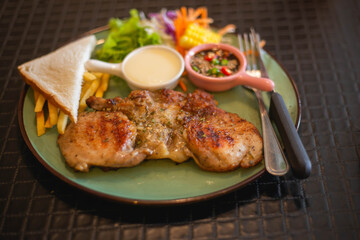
215 63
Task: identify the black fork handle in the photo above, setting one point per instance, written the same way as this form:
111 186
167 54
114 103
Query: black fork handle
297 155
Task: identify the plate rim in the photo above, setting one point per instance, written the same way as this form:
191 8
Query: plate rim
165 202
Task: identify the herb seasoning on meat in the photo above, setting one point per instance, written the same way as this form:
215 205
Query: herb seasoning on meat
215 63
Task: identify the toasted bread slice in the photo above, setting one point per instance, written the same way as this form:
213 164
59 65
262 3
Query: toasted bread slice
59 74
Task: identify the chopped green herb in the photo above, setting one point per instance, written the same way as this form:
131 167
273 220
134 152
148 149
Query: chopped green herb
224 62
195 68
214 71
215 61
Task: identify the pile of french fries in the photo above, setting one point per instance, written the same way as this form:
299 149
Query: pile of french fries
94 83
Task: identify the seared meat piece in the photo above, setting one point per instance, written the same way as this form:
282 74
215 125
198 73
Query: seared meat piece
167 124
105 139
220 141
155 115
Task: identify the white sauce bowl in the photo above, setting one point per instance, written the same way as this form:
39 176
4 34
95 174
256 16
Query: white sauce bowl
151 67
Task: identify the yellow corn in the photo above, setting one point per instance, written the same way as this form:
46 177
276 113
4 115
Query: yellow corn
195 35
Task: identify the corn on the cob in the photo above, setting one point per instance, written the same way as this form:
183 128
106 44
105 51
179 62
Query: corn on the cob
195 35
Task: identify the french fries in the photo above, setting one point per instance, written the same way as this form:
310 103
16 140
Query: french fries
99 92
89 76
62 122
40 119
53 114
105 81
40 101
88 92
48 124
40 123
103 85
94 83
98 74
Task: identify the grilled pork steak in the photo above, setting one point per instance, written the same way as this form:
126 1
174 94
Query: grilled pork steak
104 139
160 124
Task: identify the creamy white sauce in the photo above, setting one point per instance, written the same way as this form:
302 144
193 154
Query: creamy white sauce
152 66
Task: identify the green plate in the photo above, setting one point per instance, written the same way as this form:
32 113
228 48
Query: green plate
159 182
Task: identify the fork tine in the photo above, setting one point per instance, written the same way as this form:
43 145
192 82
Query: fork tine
253 53
241 45
246 51
256 37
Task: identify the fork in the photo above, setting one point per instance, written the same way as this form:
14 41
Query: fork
275 160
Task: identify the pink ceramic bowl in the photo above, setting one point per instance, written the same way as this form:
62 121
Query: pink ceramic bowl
217 84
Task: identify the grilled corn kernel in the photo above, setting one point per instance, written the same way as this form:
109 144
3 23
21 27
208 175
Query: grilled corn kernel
196 35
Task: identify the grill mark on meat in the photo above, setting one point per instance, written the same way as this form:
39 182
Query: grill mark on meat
104 139
118 127
207 134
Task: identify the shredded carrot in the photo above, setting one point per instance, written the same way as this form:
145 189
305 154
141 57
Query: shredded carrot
184 12
204 15
197 13
177 28
191 14
184 18
182 85
187 16
262 43
178 13
205 21
228 28
180 50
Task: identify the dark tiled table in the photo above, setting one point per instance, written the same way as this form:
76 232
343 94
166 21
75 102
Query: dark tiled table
316 41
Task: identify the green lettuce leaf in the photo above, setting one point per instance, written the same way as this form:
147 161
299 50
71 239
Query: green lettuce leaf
125 36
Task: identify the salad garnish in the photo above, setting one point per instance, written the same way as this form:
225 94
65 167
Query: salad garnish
125 36
181 29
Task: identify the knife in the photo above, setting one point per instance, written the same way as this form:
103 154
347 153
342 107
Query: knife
297 156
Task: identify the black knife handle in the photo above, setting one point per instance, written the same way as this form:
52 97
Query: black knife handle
297 155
